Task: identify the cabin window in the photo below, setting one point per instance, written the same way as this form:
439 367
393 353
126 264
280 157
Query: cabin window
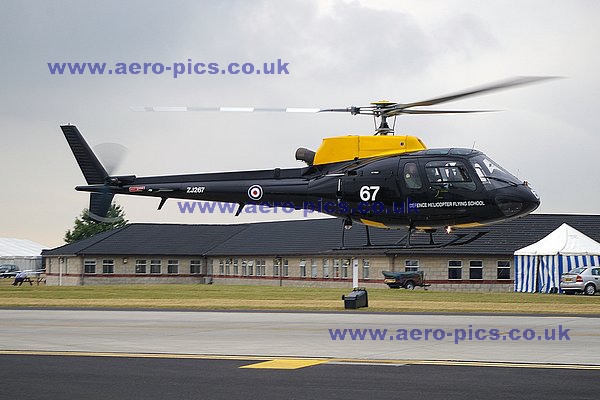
411 176
450 174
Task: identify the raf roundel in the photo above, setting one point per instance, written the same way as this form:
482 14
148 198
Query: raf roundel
255 192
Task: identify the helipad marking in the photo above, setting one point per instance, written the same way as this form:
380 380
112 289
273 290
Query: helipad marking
289 363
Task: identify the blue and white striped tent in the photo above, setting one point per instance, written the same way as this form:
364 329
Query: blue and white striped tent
538 267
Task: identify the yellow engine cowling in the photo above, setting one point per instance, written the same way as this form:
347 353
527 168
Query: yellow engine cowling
348 148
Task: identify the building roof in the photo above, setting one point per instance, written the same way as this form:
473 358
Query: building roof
10 247
318 236
152 239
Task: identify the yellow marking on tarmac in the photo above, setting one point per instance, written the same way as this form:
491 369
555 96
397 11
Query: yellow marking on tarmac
288 363
299 362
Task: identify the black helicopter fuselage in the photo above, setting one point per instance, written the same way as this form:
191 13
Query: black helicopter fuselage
384 180
424 190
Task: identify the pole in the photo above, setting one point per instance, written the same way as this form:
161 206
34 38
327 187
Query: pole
354 273
61 261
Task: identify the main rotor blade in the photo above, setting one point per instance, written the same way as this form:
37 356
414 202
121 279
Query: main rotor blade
223 109
354 110
445 111
512 82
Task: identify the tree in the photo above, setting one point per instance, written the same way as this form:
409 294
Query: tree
86 227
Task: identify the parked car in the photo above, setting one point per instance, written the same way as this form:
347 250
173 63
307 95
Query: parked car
407 280
9 270
583 279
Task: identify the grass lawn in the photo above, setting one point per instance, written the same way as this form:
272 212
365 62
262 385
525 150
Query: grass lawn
216 297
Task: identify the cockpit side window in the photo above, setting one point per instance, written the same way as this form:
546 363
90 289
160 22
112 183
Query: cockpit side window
411 176
451 174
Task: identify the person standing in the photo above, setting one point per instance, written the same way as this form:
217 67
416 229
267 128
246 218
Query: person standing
19 278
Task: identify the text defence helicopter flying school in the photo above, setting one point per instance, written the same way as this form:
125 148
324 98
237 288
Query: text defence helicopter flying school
382 181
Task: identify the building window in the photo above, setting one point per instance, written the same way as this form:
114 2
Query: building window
286 268
326 268
108 266
209 267
303 268
173 266
314 271
89 266
140 266
454 269
195 266
250 265
345 266
366 269
475 269
228 266
411 265
221 267
336 267
260 268
155 266
236 269
503 271
244 268
276 266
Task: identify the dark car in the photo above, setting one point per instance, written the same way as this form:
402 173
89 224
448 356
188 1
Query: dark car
9 270
407 280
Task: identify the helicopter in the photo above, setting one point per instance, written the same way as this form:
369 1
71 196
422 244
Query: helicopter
381 180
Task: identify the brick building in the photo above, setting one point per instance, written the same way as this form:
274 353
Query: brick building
301 253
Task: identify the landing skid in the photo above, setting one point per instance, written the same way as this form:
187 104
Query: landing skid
459 239
456 239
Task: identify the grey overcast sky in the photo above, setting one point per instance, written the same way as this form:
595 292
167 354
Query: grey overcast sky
340 53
